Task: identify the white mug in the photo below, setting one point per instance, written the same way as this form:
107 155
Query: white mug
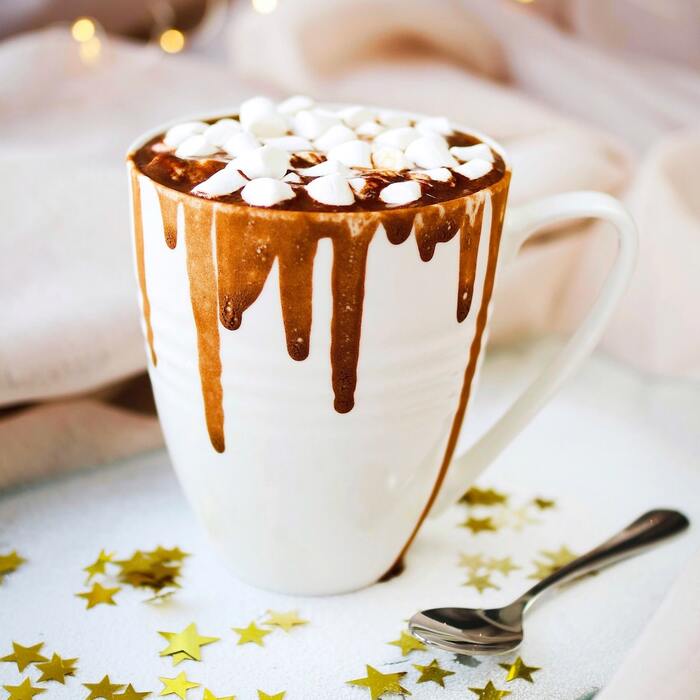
298 497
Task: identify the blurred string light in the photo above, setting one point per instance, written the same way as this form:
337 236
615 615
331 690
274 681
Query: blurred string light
86 32
264 7
171 40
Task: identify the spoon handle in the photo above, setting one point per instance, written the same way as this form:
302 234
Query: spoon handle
647 530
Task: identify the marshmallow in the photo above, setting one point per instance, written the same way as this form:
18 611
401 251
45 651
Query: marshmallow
358 184
240 143
430 152
311 123
220 132
337 134
394 119
331 189
293 178
295 104
266 192
356 115
435 125
370 129
479 150
474 169
400 192
225 181
195 146
437 174
259 115
263 162
352 153
290 143
175 135
398 138
327 167
388 158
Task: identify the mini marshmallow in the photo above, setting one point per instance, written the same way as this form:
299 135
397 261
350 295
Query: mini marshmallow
356 115
327 167
479 150
388 158
430 152
401 192
370 129
225 181
259 115
263 162
175 135
437 174
195 146
293 178
290 143
266 192
337 134
221 131
398 138
331 189
358 184
475 168
394 119
311 123
295 104
352 153
238 144
435 125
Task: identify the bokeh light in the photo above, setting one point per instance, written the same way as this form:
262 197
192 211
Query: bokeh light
264 7
172 41
83 29
90 50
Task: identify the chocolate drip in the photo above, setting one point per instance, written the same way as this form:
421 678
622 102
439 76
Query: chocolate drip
140 262
168 209
398 225
200 270
468 254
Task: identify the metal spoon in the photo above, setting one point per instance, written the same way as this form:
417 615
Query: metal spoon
500 630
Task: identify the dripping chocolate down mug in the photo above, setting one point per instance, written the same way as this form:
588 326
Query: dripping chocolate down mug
312 370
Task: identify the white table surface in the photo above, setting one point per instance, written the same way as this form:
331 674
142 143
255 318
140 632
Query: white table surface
613 444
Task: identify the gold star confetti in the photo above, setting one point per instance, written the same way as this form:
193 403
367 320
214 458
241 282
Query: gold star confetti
489 692
130 693
472 561
252 634
518 669
10 562
23 656
99 595
379 683
504 566
186 644
542 570
57 669
483 497
561 557
99 566
407 644
24 691
477 525
104 689
177 686
277 696
544 503
285 620
166 555
208 695
514 518
432 672
157 569
481 583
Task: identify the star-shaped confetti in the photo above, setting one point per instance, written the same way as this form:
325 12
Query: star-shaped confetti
483 497
252 634
99 566
561 557
208 695
10 562
157 570
104 689
285 620
57 669
432 672
166 555
407 644
379 683
472 561
480 582
277 696
186 644
544 503
99 595
518 669
515 518
130 693
177 686
24 656
24 691
490 692
504 566
477 525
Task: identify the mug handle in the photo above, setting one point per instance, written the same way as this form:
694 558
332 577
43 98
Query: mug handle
521 222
